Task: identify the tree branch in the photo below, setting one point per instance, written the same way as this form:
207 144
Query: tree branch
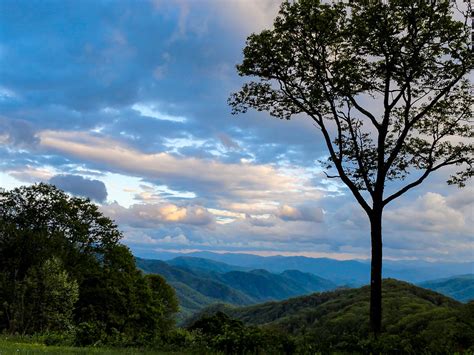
420 180
409 124
362 110
358 153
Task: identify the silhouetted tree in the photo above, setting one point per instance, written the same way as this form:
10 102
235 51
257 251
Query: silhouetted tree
386 84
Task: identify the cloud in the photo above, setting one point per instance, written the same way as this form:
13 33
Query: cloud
429 213
177 240
302 213
247 16
462 199
30 174
103 98
17 133
150 110
228 142
266 221
241 15
204 175
154 215
257 207
78 185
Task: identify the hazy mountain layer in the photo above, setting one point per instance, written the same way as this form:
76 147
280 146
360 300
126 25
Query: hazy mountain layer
459 287
201 282
342 272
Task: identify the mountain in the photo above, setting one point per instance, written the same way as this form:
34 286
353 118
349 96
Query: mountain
196 281
263 285
298 313
418 270
339 271
194 290
202 264
198 284
415 320
342 272
459 287
312 282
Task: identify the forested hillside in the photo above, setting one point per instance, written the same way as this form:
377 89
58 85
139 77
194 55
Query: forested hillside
459 287
415 320
201 282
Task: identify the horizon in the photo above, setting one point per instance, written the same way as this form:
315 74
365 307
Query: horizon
191 254
126 103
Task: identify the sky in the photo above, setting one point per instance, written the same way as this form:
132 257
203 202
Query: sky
125 102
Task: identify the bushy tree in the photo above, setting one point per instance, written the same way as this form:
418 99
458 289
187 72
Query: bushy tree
52 295
164 299
230 336
61 262
39 221
387 85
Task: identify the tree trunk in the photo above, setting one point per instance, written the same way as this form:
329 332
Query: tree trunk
376 271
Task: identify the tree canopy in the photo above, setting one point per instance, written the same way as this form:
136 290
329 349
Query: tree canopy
62 268
385 82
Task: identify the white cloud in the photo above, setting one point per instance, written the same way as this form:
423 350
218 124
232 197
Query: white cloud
154 215
247 16
205 176
429 213
151 110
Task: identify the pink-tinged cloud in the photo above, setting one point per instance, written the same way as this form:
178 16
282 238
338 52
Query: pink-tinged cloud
154 215
237 180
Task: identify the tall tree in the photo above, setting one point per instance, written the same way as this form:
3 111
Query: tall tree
50 295
62 265
386 83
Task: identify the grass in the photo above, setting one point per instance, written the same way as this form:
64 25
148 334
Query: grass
20 346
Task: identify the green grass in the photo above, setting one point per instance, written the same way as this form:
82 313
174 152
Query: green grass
10 346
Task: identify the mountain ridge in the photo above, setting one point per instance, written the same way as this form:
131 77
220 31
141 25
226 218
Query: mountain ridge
202 286
459 287
342 272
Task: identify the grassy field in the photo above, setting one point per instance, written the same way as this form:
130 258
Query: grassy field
17 346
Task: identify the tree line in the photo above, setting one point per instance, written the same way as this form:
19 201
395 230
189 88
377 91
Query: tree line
64 271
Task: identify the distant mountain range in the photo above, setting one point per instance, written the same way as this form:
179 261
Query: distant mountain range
459 287
201 282
348 272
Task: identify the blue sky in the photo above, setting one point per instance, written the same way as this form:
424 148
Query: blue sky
126 102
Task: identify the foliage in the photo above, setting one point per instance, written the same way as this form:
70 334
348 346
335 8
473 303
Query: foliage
323 60
202 282
386 83
57 298
63 271
44 301
221 333
458 287
415 321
